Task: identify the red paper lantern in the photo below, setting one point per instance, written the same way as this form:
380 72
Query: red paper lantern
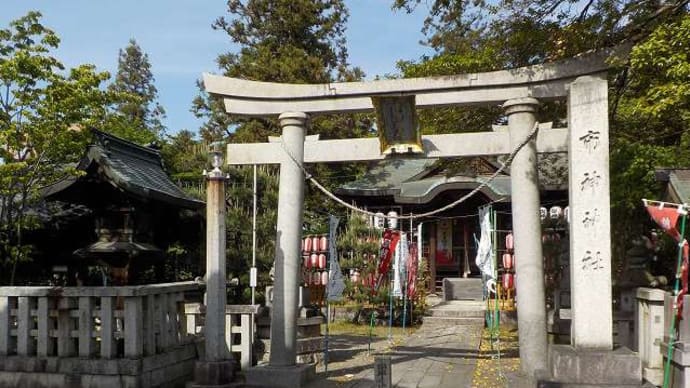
315 243
305 262
509 241
507 261
322 261
508 281
307 244
316 278
323 243
324 278
313 260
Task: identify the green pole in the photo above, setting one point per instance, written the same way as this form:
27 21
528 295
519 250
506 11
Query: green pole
676 288
371 328
390 304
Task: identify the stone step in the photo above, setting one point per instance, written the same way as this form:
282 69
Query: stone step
462 289
456 313
458 309
453 321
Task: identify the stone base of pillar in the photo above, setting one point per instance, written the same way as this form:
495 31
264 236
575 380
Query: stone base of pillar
295 376
214 374
570 367
680 363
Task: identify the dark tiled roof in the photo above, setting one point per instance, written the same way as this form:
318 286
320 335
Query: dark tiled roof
386 177
678 181
134 169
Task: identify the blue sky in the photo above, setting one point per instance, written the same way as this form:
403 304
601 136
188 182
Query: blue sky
177 36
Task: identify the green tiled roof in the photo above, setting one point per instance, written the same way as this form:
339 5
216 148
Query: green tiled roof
415 181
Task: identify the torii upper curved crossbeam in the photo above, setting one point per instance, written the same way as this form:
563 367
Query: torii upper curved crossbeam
544 81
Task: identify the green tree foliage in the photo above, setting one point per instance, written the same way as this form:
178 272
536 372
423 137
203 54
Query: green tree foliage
239 225
137 113
282 41
649 89
183 154
359 247
43 108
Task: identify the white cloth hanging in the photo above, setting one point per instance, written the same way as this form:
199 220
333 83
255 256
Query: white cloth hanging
485 253
400 264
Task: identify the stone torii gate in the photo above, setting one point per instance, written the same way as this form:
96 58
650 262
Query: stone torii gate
581 80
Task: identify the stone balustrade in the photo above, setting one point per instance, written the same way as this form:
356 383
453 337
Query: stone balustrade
92 322
239 328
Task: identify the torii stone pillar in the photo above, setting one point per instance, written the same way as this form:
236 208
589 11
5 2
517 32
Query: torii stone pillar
289 233
529 264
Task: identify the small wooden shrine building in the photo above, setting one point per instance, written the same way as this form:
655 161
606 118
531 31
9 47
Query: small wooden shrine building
121 212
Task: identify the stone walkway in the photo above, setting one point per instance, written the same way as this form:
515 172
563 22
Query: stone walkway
434 356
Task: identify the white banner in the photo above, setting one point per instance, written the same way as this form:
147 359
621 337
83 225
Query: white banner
336 281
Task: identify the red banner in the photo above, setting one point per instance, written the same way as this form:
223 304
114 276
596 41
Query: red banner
412 271
666 218
389 241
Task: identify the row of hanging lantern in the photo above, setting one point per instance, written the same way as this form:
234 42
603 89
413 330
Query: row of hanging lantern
315 260
555 213
509 263
317 278
315 243
379 220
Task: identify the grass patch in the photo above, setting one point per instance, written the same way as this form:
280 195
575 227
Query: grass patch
346 327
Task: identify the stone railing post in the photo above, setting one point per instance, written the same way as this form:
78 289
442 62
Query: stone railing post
45 344
5 336
529 265
65 345
108 349
87 345
134 327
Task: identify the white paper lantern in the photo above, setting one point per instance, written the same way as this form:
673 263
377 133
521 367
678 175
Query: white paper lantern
555 212
379 221
543 213
392 222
